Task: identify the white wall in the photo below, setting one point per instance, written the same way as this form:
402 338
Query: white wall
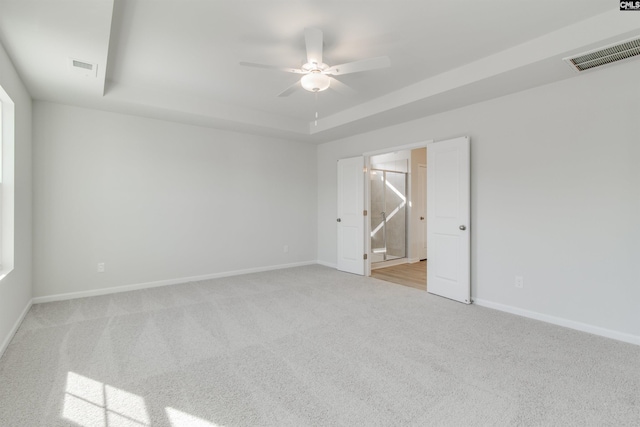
555 195
15 288
156 200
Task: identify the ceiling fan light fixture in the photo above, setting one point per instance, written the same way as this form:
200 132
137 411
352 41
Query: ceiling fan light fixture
315 81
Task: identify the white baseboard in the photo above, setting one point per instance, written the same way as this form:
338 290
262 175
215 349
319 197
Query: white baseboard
147 285
13 330
584 327
327 264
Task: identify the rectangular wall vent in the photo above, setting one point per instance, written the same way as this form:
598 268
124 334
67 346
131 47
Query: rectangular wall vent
83 68
604 55
81 64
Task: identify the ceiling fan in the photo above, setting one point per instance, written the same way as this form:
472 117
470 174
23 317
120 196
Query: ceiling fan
318 76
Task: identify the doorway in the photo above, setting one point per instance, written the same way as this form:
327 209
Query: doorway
398 217
447 218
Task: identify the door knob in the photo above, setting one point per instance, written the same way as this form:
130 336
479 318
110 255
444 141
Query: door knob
462 227
421 218
339 220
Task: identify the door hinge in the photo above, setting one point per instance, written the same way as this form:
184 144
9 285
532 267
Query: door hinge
364 256
364 212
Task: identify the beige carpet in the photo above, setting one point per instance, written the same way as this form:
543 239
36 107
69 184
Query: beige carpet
307 346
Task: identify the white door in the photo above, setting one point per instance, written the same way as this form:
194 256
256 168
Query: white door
448 217
422 212
350 219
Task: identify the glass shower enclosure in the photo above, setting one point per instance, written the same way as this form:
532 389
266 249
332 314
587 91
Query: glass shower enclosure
388 215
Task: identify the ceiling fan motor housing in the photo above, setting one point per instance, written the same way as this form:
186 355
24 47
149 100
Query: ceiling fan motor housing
315 81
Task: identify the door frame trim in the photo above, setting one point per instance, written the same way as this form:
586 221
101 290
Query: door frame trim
419 258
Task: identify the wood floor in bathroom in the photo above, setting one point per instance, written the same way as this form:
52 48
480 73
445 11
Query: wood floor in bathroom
413 275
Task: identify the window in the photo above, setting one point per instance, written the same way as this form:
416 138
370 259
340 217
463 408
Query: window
1 204
7 143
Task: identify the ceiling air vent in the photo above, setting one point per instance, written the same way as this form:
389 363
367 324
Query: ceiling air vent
82 65
83 68
604 55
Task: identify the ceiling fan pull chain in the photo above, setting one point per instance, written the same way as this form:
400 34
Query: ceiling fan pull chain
316 122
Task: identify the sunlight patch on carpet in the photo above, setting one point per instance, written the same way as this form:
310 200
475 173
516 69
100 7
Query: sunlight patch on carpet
182 419
88 402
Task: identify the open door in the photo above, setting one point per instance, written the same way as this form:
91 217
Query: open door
448 218
350 219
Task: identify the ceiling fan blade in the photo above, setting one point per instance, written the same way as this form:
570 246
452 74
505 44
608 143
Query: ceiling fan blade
338 86
357 66
288 91
273 67
313 41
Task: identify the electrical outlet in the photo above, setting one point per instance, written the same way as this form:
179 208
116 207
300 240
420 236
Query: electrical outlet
101 267
519 283
285 250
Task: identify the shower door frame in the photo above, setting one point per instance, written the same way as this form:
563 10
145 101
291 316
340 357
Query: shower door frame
384 218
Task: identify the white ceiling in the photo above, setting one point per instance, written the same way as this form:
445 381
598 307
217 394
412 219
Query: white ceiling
179 59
